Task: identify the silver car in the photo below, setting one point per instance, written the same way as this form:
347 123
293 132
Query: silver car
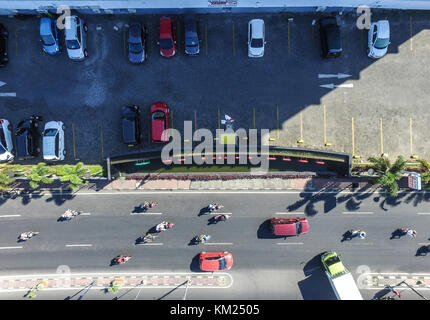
53 141
76 38
6 145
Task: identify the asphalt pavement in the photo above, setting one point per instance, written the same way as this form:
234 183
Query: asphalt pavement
88 242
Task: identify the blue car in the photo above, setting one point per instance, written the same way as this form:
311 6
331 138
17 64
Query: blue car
49 36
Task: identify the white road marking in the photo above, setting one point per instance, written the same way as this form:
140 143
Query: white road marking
229 213
2 83
5 248
329 75
423 212
150 244
289 213
217 243
284 243
145 213
357 212
10 215
423 243
8 94
85 213
79 245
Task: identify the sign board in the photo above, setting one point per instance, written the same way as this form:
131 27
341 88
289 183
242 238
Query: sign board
414 181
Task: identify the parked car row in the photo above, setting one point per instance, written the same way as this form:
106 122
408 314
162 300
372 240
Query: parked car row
131 124
76 43
27 140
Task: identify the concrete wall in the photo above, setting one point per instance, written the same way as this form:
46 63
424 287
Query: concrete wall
204 6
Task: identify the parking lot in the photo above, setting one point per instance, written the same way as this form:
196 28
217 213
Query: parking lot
380 108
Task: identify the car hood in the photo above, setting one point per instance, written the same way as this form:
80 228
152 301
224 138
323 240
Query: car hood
75 53
168 52
54 49
136 57
256 52
192 50
377 53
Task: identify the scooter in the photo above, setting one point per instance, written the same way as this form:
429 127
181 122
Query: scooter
202 238
147 205
222 217
122 259
27 235
214 207
164 226
357 233
69 214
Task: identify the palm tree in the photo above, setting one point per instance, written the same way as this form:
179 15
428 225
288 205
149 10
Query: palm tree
388 174
5 181
75 175
425 176
39 173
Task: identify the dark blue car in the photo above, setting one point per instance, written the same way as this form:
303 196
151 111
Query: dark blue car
192 47
137 42
49 36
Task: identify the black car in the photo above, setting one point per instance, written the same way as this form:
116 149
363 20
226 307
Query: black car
191 36
28 138
137 42
4 59
331 43
131 134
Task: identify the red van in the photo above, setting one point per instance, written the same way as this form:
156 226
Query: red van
289 226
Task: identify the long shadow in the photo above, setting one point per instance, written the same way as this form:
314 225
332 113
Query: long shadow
194 265
422 251
316 285
263 231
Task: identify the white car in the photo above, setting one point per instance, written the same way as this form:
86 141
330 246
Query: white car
378 39
76 38
53 141
256 38
6 145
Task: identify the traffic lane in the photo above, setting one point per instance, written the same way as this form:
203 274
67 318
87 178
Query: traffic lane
239 203
114 236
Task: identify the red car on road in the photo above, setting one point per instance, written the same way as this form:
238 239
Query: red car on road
289 226
215 261
167 40
159 122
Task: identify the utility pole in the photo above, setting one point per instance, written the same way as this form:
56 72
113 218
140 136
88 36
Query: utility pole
186 288
413 289
141 284
89 287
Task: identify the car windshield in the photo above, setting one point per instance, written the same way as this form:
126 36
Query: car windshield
50 132
332 260
299 227
256 43
135 47
72 44
48 40
166 44
381 43
158 115
222 264
192 42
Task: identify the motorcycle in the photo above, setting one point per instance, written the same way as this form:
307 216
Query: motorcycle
122 259
164 226
69 214
146 238
147 205
27 235
357 233
214 207
222 217
202 238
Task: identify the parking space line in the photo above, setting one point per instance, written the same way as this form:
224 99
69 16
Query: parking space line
206 38
382 137
289 42
410 27
74 144
16 42
234 44
101 135
301 129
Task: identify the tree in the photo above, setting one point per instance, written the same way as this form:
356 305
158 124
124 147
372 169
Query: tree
5 181
39 173
425 176
388 174
75 175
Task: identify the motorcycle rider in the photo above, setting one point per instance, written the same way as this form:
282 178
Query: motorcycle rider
214 206
357 233
27 235
203 238
222 217
122 259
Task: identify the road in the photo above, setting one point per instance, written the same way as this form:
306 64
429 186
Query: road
264 267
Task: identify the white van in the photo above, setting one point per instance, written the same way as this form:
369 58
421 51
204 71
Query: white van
76 38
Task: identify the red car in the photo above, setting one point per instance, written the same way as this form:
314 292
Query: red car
159 122
289 226
215 261
167 40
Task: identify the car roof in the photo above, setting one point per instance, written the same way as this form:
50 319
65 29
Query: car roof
165 26
45 26
383 29
71 32
134 34
257 28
